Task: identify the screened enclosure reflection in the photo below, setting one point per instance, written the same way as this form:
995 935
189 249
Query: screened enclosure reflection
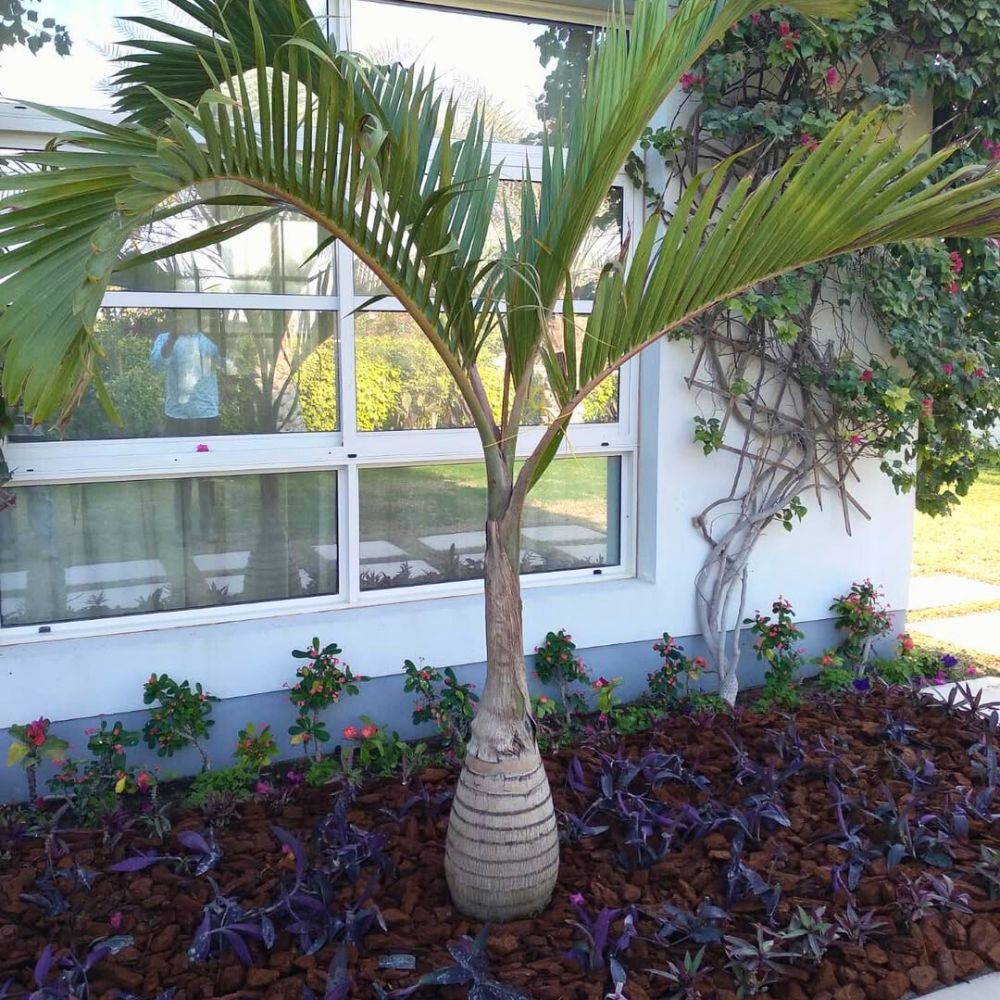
275 256
201 372
424 524
96 549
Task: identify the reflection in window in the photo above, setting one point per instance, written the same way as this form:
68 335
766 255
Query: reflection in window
402 384
424 524
201 372
526 72
601 244
96 549
273 257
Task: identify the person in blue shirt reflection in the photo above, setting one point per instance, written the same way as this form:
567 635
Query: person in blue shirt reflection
189 362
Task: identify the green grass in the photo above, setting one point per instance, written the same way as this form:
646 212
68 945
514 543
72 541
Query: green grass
967 542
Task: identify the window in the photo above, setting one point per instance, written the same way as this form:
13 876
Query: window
374 490
424 524
120 548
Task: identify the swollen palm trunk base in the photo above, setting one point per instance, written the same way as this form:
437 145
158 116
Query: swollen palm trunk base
502 854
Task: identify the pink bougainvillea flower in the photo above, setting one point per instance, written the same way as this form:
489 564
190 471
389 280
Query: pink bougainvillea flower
957 261
755 19
948 368
953 287
832 76
788 44
369 731
687 81
600 683
867 375
202 448
142 781
979 373
855 439
809 142
784 29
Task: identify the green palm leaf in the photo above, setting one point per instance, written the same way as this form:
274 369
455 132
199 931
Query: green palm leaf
857 190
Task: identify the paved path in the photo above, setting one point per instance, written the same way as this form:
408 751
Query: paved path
979 632
983 988
942 590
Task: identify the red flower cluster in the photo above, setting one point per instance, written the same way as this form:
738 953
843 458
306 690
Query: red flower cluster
809 142
992 148
957 262
689 80
36 732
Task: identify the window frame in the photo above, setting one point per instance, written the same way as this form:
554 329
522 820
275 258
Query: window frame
342 453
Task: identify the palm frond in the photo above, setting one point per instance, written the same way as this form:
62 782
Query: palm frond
181 62
857 190
365 151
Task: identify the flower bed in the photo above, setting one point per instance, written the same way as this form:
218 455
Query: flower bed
876 807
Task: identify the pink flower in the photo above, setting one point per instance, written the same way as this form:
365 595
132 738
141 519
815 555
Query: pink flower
142 781
368 731
788 44
979 373
755 19
867 375
927 406
576 898
809 142
35 732
350 733
971 671
600 683
948 368
957 262
115 921
687 81
832 76
784 29
262 788
202 448
939 678
953 287
855 439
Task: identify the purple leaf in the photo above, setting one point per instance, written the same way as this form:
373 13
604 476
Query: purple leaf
238 945
194 841
136 864
43 965
399 961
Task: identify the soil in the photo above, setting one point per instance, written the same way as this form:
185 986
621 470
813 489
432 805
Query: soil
161 909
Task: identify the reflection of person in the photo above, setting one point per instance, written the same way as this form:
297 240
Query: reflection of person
189 362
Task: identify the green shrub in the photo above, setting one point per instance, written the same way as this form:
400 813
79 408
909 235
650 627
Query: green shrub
229 782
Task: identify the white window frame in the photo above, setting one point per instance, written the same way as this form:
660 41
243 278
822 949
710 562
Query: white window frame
344 452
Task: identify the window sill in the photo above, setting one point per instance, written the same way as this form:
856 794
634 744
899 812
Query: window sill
225 614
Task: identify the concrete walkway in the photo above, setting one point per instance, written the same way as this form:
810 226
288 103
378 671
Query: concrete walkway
979 632
942 590
983 988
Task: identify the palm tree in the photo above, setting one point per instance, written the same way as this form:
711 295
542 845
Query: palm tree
370 153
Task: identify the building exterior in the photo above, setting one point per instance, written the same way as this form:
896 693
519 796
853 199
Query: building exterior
293 462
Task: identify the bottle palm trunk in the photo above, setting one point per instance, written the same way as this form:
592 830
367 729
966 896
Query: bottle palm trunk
502 854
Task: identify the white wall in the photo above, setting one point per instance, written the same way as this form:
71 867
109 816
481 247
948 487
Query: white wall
88 675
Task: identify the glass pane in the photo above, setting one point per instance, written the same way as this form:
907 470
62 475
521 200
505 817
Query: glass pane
526 72
271 258
202 372
80 79
424 524
601 245
96 549
402 384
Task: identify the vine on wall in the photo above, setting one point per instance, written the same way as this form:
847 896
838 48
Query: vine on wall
890 354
